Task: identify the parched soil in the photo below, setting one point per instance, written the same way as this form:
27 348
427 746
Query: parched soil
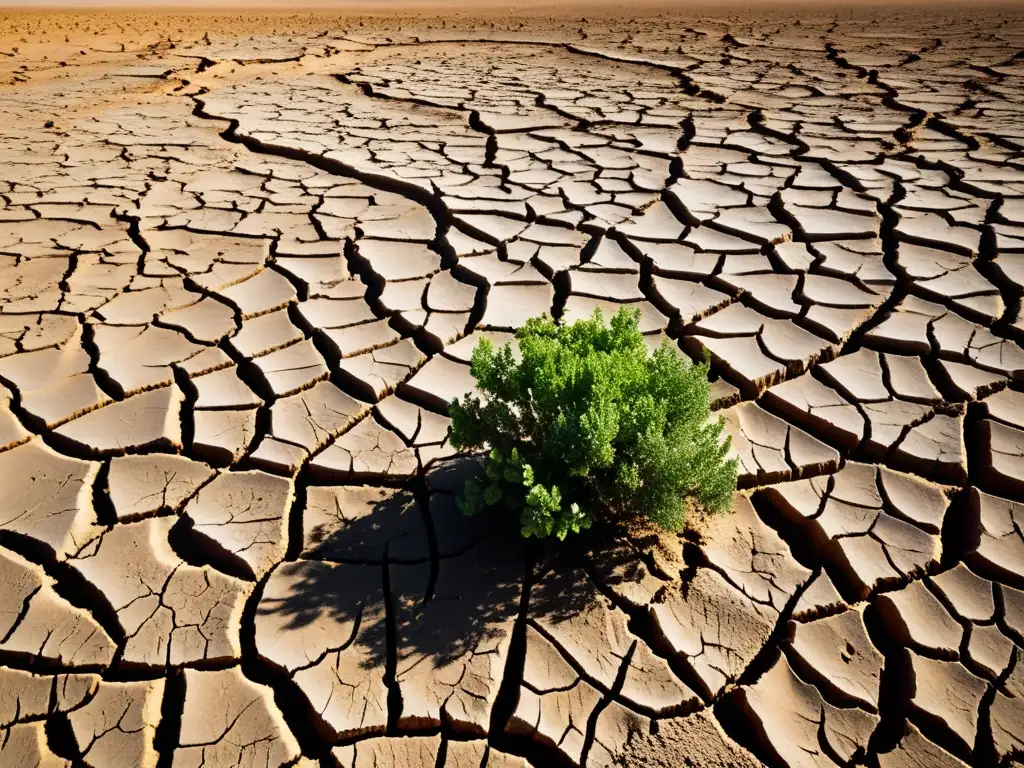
245 258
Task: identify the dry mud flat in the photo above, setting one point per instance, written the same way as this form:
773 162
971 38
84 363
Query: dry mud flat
244 261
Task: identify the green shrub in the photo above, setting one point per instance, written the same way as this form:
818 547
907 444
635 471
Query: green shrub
590 424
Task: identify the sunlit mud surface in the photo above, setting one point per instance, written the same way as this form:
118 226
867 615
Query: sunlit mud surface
244 261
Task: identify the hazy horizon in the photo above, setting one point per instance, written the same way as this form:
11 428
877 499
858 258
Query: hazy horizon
502 5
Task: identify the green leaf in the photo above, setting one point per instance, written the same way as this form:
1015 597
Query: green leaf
470 501
527 478
582 422
492 495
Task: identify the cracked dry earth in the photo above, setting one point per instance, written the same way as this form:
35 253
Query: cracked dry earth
244 261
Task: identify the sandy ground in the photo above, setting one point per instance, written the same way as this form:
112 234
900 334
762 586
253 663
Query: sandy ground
244 259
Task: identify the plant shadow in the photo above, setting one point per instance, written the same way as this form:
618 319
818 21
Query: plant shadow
409 586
